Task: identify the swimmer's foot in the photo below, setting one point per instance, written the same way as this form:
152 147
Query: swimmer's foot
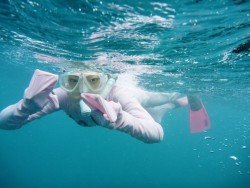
198 117
194 103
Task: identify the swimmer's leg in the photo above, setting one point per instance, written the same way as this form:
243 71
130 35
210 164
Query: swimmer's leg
158 112
153 99
158 104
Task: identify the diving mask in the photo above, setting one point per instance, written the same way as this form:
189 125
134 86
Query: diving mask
83 82
77 82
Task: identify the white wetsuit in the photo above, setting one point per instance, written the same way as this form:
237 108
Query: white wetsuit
134 117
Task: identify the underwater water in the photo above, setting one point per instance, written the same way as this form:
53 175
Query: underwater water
189 46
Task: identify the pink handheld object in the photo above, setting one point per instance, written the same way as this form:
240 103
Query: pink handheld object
198 117
97 102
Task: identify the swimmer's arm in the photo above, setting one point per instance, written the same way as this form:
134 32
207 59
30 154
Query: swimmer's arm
140 127
133 119
38 101
19 114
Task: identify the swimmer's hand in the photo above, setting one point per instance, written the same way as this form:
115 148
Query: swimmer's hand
39 90
109 109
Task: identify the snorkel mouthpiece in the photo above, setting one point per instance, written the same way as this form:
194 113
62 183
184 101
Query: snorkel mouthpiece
84 107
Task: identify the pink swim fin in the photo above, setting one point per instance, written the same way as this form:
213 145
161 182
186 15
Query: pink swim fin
41 85
198 117
108 108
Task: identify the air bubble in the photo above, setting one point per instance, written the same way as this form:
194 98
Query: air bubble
207 137
243 147
233 157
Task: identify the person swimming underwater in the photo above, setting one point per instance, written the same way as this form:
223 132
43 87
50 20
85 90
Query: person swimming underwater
93 98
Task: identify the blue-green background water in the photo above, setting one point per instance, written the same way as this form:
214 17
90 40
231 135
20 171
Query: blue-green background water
187 46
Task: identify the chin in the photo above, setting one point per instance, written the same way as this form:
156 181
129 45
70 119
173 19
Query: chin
75 96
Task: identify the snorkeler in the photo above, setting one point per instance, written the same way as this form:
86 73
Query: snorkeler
92 98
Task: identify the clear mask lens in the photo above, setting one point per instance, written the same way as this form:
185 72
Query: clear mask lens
94 81
69 82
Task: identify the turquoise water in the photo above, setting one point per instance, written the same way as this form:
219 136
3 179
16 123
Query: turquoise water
190 46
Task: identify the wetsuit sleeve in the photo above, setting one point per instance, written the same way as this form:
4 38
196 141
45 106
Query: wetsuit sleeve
17 115
135 120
